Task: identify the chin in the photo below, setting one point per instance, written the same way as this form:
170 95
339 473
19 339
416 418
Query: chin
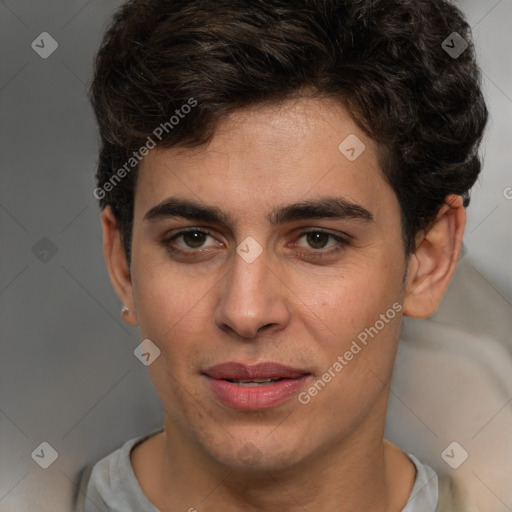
258 453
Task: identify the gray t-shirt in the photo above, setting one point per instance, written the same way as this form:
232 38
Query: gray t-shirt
111 485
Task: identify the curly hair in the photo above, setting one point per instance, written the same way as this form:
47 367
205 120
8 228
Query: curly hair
382 59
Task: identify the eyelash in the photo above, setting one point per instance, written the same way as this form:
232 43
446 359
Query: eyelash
312 253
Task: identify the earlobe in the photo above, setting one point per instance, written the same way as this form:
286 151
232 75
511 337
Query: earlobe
433 264
117 265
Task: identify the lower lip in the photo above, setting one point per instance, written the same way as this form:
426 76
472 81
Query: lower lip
254 398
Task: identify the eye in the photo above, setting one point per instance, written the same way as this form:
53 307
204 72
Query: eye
318 239
193 238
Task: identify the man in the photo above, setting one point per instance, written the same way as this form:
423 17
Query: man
280 183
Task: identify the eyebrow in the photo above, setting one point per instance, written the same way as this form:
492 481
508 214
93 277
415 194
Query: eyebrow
326 207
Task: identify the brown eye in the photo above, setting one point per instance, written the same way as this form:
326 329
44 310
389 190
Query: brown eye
318 239
193 239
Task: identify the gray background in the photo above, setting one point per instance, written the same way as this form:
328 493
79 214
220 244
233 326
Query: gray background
68 375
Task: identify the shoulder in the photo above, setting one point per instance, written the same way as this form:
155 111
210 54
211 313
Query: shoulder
111 485
424 495
432 493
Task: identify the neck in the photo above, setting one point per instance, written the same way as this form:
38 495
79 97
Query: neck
354 474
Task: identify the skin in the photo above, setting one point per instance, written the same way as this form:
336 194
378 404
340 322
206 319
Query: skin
288 306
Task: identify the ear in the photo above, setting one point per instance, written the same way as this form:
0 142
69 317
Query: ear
117 263
431 267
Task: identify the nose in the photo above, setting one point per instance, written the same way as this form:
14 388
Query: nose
252 299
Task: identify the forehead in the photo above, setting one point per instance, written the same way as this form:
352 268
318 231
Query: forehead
268 155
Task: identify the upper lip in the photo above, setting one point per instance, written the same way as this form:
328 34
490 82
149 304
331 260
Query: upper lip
265 370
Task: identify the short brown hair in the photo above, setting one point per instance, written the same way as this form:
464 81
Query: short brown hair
382 59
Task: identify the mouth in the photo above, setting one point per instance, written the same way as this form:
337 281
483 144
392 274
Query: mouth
253 382
265 371
254 387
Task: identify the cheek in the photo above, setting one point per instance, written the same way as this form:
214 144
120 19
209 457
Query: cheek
180 400
355 374
169 305
364 318
352 298
172 316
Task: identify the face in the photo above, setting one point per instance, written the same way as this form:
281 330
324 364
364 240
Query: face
302 265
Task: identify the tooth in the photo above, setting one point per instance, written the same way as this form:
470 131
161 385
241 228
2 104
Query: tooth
253 382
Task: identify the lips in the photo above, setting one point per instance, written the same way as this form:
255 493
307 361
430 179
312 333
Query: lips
254 387
240 371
